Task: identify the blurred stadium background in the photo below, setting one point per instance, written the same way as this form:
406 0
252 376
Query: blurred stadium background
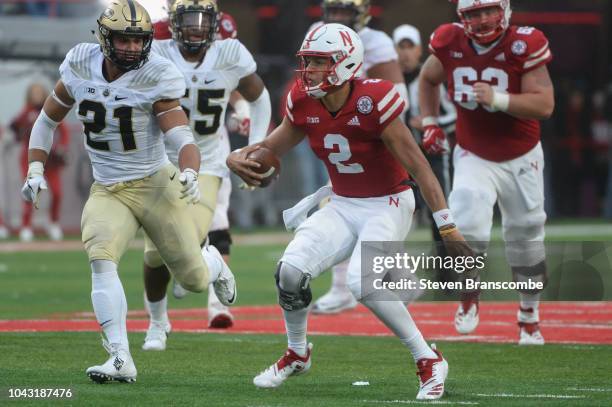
577 140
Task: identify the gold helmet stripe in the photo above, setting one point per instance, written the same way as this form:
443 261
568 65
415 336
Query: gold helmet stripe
132 12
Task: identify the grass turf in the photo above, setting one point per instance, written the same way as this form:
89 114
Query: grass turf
217 370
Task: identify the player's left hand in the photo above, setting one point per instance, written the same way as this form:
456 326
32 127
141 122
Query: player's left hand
191 189
32 187
483 93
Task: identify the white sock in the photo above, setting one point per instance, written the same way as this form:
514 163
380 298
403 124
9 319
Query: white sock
109 303
158 311
397 318
214 264
530 301
213 300
339 273
296 325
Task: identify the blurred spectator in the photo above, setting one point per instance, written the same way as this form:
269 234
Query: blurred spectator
22 126
607 129
4 232
37 8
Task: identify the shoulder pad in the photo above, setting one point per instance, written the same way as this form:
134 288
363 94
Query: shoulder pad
443 36
228 54
79 59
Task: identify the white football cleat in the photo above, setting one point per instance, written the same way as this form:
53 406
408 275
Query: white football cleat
529 327
178 291
4 232
466 317
432 374
336 300
157 335
290 364
26 235
119 367
225 284
530 334
219 316
54 231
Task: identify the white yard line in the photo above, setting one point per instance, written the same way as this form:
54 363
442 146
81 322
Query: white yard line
531 396
467 403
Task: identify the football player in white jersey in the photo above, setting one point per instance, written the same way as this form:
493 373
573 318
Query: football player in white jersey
211 70
126 98
380 62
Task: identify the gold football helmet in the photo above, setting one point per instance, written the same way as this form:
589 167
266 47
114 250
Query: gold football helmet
194 24
360 12
130 19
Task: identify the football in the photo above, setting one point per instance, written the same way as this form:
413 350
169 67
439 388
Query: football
270 165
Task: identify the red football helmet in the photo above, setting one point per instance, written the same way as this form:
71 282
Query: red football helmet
484 29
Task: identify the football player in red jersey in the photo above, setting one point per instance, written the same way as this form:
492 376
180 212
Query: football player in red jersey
497 78
353 126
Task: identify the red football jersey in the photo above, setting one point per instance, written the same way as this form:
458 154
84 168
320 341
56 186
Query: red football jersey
358 162
161 30
492 135
226 29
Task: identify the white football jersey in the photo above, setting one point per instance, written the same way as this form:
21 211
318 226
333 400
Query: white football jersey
377 45
209 87
122 136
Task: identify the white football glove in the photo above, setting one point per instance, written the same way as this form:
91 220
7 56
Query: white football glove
34 183
191 189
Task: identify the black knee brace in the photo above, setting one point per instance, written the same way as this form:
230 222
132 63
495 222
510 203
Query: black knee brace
222 240
294 301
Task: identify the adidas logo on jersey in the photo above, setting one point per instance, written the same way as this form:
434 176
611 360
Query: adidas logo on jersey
312 120
501 57
354 121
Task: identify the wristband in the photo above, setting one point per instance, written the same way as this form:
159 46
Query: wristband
36 168
447 232
429 121
501 101
443 218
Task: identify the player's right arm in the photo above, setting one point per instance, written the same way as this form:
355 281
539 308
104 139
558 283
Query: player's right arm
55 109
281 140
431 78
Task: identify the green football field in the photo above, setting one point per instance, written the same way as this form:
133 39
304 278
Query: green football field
216 369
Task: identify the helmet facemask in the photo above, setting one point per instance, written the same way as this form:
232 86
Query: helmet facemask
329 76
485 22
194 29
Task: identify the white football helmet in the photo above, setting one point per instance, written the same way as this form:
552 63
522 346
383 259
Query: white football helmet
344 49
484 32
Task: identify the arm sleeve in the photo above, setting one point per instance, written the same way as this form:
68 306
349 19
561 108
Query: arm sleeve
261 112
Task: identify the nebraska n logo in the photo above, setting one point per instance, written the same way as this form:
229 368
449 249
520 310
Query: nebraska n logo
346 38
